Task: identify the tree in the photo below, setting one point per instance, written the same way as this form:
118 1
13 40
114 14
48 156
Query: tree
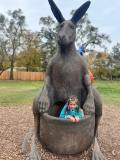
4 57
31 56
89 35
11 29
29 59
48 36
116 60
99 63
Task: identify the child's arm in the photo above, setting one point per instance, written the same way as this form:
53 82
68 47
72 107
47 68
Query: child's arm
62 114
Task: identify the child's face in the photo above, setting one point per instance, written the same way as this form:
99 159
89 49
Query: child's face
72 104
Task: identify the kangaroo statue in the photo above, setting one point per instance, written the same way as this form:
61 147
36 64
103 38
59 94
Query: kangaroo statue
66 75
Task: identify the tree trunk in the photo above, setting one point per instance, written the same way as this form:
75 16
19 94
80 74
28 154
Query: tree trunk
3 70
12 65
11 70
111 78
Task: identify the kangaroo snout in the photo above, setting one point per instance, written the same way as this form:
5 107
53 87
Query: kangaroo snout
61 38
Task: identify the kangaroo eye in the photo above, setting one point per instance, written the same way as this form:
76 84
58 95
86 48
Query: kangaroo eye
72 26
61 25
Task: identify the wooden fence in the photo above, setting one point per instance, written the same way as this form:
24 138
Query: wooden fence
19 75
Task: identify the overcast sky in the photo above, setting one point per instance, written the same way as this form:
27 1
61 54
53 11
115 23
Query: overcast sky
104 14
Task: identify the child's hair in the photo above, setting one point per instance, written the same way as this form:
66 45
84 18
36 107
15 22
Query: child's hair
72 98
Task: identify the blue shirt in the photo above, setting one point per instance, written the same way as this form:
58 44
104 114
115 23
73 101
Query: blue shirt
81 50
71 112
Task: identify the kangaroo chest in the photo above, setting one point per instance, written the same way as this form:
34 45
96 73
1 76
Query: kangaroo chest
67 74
67 78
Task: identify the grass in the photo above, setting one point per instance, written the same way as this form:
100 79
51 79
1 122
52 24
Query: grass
23 92
109 91
18 92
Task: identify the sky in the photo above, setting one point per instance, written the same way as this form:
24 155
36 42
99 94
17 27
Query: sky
104 14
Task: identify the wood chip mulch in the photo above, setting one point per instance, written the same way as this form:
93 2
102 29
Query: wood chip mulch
15 121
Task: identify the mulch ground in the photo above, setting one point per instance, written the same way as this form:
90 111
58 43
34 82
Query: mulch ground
16 121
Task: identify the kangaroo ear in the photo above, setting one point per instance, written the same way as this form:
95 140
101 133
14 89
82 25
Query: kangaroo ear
79 13
58 15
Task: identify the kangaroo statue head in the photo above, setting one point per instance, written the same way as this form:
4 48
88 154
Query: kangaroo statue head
67 28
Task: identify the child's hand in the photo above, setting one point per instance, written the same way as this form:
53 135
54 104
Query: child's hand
72 119
77 119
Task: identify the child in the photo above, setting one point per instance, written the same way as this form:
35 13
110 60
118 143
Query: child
71 110
82 51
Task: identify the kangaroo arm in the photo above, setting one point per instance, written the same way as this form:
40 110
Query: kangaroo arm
89 106
88 85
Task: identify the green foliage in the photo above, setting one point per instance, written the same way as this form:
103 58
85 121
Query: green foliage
48 37
11 31
23 48
30 59
31 56
116 60
99 64
101 69
4 57
89 35
116 52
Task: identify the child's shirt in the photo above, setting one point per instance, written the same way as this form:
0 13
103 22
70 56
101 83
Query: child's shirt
65 113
